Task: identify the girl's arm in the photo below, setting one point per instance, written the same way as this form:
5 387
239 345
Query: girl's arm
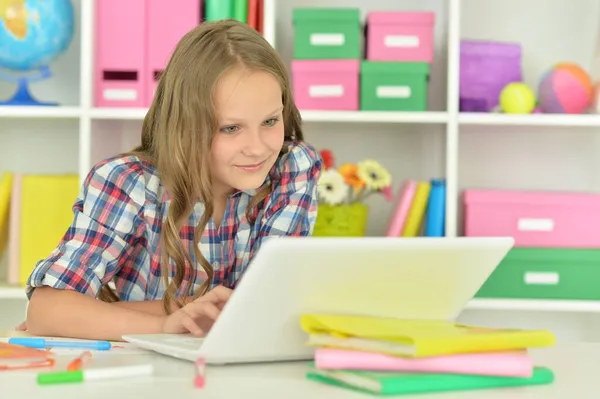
105 235
151 307
66 313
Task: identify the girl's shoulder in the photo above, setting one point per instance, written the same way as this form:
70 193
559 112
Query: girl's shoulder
130 174
300 158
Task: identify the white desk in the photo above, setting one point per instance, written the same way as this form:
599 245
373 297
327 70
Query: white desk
576 378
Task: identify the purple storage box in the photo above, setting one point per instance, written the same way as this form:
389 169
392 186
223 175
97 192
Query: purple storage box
486 67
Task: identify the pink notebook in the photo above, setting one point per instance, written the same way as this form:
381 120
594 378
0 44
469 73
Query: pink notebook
506 364
402 208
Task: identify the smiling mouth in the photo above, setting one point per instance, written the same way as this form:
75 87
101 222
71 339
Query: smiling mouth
251 168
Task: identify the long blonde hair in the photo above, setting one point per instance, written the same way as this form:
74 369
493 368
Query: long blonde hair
178 129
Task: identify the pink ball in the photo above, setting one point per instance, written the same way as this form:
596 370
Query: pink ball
565 89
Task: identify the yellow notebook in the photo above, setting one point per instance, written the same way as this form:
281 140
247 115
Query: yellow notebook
46 214
5 189
416 338
414 219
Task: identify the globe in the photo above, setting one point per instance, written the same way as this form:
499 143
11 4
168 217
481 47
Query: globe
33 33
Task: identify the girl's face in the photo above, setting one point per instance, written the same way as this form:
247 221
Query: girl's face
250 130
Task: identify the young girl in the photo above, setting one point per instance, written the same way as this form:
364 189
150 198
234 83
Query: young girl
174 224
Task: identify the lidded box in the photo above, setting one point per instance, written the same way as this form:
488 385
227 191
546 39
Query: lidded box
400 36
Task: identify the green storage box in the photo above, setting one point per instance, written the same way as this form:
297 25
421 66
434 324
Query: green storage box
545 273
393 86
327 33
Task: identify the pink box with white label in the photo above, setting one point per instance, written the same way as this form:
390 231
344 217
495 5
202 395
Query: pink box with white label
167 24
326 84
120 73
534 218
400 36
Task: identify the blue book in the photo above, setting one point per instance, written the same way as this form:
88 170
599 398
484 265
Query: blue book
436 209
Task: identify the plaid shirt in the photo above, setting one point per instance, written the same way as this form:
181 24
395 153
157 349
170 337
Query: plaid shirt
120 213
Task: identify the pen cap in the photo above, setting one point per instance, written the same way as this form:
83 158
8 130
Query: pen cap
60 377
38 343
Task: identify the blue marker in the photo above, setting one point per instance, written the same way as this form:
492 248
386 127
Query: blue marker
41 343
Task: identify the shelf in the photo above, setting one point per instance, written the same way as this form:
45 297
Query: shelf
307 116
477 118
12 293
39 112
374 116
544 305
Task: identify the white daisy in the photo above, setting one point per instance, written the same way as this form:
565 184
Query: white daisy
375 176
332 188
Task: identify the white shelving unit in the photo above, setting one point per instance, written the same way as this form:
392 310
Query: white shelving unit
469 150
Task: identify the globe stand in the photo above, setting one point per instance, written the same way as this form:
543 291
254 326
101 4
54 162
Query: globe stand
22 96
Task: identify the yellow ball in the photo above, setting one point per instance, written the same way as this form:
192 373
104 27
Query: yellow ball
517 98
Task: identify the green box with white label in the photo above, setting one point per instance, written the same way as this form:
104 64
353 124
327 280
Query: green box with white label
393 86
327 33
545 273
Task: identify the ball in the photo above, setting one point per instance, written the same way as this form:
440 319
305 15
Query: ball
517 98
565 89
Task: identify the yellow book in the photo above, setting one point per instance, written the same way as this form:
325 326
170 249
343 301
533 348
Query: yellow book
5 189
416 338
46 214
414 219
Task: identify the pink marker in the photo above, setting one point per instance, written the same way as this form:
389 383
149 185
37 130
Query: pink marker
200 366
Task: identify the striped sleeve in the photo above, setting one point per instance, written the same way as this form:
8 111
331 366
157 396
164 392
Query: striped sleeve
292 208
107 224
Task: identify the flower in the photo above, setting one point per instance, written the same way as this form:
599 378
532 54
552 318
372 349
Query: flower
328 160
375 176
331 187
350 173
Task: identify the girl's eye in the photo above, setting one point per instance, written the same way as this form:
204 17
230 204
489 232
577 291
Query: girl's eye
229 129
271 122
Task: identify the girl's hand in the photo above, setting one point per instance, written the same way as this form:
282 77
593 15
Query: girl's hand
197 317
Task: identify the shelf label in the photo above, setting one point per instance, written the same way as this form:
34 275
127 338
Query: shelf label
120 94
327 39
401 41
393 91
541 278
326 91
535 224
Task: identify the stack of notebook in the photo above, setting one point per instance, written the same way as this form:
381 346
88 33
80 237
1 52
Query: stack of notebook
392 356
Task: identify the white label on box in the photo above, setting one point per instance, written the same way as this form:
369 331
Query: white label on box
533 224
541 278
120 94
401 41
326 91
327 39
393 91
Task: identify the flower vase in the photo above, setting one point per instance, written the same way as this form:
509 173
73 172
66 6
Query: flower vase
341 220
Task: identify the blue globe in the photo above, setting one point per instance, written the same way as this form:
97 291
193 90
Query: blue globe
34 32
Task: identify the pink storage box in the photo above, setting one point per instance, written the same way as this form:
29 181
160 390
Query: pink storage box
326 84
534 219
120 75
400 36
167 24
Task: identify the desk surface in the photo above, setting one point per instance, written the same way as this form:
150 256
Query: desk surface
577 376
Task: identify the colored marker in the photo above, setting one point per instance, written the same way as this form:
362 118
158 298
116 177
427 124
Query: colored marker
200 368
79 361
41 343
95 374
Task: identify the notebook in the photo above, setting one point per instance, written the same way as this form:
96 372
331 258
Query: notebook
390 383
416 338
509 363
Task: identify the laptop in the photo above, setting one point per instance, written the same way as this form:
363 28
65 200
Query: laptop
411 278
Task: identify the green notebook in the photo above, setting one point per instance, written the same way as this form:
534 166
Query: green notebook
394 383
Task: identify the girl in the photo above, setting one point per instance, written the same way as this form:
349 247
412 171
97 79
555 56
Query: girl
221 167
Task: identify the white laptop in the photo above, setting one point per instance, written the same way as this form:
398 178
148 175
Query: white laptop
414 278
